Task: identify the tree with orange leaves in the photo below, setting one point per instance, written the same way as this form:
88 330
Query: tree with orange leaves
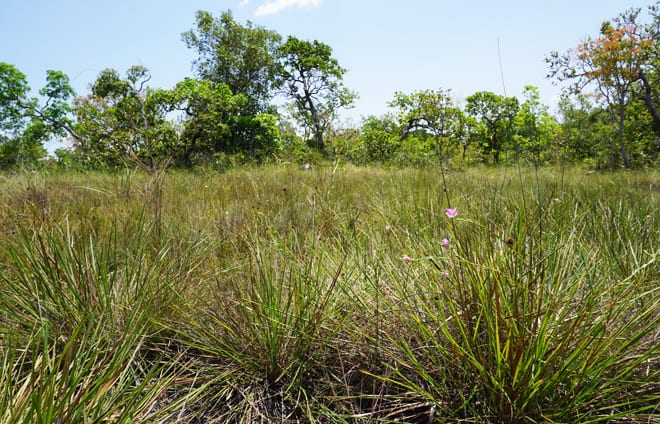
612 65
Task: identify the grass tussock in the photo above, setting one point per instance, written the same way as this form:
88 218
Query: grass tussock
331 295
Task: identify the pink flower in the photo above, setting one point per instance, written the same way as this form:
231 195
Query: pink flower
445 242
406 259
451 212
388 227
445 274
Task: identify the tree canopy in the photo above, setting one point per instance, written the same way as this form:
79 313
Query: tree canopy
615 63
25 122
496 114
244 57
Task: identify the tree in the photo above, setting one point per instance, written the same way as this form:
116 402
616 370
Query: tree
56 112
534 125
243 57
312 79
381 138
496 114
347 143
25 124
429 111
585 132
465 131
123 120
649 90
640 127
13 98
612 63
217 121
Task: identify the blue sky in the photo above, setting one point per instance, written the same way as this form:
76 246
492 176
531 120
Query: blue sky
387 46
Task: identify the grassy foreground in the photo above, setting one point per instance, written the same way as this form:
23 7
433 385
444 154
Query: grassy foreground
330 295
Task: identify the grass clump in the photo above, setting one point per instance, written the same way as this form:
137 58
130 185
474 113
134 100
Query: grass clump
260 338
80 311
514 334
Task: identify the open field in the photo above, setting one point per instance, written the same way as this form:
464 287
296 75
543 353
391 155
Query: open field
331 295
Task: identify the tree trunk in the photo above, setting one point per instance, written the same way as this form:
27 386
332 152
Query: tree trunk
624 152
648 100
495 148
439 147
316 121
318 135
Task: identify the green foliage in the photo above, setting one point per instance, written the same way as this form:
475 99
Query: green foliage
586 133
266 135
24 124
639 126
380 138
496 114
218 122
13 97
417 151
243 57
425 110
20 152
536 128
122 121
226 118
294 148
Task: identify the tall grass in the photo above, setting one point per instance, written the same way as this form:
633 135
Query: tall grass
529 335
80 312
281 295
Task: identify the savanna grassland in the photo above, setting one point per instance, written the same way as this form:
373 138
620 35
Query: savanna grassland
339 294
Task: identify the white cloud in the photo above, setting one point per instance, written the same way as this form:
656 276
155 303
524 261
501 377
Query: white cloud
243 2
274 6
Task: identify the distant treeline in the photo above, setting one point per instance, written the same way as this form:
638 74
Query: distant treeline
225 115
